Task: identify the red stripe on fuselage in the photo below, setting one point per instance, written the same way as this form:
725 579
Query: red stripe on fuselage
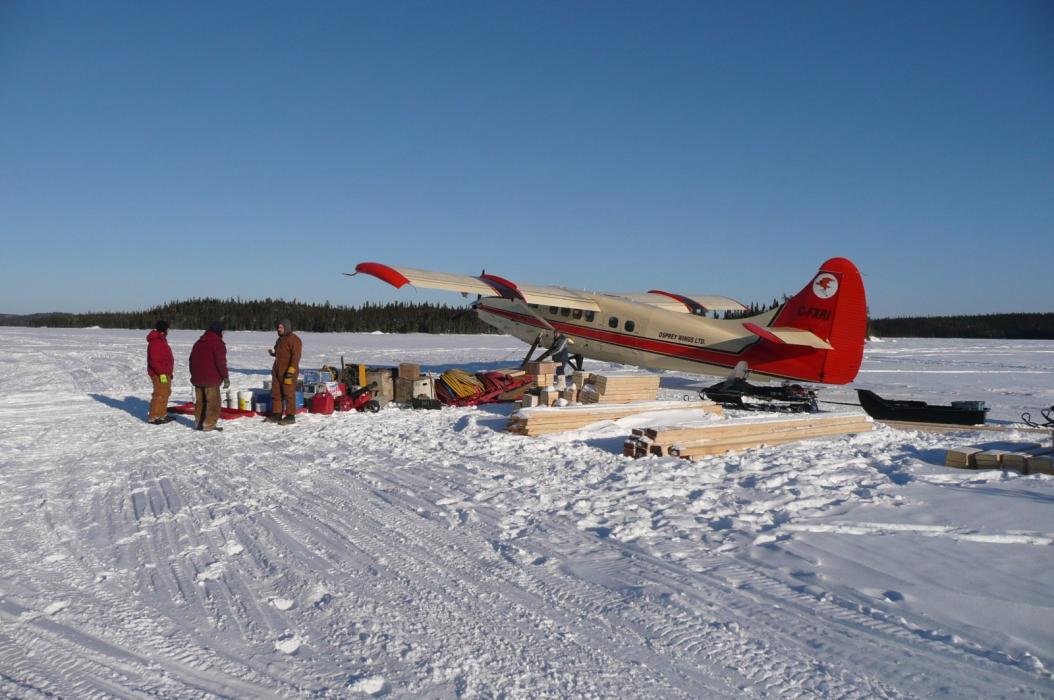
789 362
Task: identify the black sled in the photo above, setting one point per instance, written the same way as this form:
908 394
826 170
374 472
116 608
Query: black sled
736 392
958 413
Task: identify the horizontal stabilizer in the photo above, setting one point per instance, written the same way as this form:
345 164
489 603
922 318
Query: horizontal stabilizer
789 336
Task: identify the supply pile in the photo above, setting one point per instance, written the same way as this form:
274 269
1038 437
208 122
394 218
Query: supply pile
1023 458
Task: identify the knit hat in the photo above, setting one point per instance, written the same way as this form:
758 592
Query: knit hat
217 327
161 326
288 325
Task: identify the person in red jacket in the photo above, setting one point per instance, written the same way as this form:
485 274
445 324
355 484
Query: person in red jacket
208 369
159 365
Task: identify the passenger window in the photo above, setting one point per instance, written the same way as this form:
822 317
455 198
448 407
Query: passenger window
613 322
533 306
630 325
565 312
553 310
576 314
590 315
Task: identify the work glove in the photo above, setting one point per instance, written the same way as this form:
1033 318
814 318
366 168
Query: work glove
270 351
227 383
162 378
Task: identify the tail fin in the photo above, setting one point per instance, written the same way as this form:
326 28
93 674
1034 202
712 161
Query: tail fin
833 307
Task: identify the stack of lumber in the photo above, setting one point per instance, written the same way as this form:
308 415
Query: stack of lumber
543 372
696 442
620 387
1026 458
964 458
543 420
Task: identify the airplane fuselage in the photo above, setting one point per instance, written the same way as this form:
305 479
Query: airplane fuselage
628 333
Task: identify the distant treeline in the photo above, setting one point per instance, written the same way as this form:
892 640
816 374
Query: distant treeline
259 315
262 315
1039 326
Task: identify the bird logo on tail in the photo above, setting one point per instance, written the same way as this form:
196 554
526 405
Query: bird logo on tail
825 285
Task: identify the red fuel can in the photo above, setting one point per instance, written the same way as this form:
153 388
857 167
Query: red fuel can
322 403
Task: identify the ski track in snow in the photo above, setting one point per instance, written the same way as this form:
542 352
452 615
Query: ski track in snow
430 554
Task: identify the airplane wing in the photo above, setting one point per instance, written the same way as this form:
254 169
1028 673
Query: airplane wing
487 285
698 304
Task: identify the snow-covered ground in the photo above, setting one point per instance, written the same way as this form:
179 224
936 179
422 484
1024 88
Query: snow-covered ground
431 554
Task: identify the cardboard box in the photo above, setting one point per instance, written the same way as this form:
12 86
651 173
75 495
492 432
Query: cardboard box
409 370
406 389
385 390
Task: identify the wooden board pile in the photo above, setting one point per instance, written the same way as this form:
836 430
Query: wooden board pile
1025 458
696 442
543 420
619 387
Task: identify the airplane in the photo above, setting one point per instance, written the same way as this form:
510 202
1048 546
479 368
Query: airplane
815 336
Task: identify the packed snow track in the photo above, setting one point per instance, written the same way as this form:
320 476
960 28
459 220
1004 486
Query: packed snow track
431 554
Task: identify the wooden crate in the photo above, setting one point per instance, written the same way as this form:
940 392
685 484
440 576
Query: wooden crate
409 370
407 389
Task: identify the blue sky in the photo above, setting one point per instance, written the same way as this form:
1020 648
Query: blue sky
160 151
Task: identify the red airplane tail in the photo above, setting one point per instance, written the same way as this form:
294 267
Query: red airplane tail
833 307
818 334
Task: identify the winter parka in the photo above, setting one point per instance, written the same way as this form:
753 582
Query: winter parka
208 360
287 351
158 355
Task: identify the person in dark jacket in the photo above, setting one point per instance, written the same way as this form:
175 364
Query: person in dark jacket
284 372
159 365
208 369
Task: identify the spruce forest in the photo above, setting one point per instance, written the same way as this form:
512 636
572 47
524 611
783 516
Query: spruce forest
259 315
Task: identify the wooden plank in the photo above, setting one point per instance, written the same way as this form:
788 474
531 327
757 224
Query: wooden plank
949 428
743 443
730 428
541 421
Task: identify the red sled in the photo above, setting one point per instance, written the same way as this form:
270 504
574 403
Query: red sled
187 409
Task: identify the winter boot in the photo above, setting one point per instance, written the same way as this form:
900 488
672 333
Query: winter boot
288 420
273 418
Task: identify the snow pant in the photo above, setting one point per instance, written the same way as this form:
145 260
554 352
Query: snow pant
206 406
283 396
563 367
159 399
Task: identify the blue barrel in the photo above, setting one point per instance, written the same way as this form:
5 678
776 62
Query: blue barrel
299 399
262 401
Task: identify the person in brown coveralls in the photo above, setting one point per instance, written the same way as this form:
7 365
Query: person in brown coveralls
208 368
159 365
284 372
